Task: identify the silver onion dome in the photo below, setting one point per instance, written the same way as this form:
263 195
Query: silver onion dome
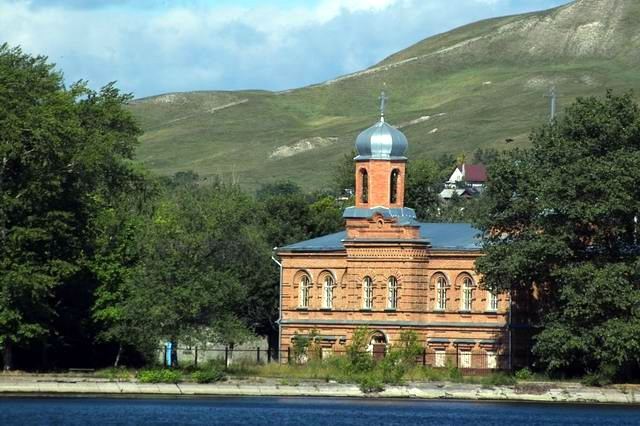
381 142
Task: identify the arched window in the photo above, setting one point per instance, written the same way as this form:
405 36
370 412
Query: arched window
492 301
364 180
305 286
392 293
393 190
327 293
367 293
441 293
467 294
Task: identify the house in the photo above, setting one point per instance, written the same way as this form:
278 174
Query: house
467 180
391 273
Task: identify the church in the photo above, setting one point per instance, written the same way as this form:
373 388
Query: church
389 272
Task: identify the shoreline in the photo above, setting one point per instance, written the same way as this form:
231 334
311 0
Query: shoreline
540 392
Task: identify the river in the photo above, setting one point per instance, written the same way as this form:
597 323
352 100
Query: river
302 411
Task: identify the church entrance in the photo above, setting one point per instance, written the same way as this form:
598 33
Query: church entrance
378 345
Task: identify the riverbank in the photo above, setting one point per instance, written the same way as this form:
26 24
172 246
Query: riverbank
35 385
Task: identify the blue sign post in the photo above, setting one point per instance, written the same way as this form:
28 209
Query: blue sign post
168 351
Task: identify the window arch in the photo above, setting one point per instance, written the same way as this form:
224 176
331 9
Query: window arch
392 293
466 301
367 293
364 184
328 285
305 288
441 293
393 190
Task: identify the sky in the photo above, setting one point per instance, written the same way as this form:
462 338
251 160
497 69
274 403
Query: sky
152 47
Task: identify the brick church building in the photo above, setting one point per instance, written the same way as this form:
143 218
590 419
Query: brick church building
390 273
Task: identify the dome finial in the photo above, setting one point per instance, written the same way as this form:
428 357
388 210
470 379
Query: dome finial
383 98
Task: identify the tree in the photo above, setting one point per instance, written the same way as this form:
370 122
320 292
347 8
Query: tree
561 226
423 185
61 152
344 175
117 228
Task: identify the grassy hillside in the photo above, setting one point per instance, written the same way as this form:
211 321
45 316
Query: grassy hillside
475 86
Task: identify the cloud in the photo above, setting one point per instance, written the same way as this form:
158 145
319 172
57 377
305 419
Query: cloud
157 46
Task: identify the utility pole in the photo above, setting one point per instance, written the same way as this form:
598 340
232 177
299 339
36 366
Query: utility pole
553 96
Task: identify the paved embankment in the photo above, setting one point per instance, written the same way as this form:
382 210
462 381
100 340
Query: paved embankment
536 392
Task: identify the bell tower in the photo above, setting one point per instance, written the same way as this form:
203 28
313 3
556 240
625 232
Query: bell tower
380 168
380 165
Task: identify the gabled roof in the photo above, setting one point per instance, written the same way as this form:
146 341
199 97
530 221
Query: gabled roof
475 173
442 236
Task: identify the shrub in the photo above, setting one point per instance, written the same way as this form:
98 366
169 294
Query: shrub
498 379
208 375
603 377
409 348
524 374
159 376
370 383
360 360
454 374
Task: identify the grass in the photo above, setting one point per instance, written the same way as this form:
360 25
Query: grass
336 369
235 142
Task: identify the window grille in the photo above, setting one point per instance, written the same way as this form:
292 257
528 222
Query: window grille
305 285
493 301
441 293
367 286
467 294
392 290
328 292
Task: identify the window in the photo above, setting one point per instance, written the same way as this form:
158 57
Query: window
326 352
467 294
364 181
441 293
493 301
393 190
327 299
440 358
367 290
492 363
392 293
464 359
305 285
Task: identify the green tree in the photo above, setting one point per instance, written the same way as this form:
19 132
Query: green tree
344 173
423 185
560 224
117 227
61 152
181 283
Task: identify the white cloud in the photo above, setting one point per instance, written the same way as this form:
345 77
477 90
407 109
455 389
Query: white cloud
196 45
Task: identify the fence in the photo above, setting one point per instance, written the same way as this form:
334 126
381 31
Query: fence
467 361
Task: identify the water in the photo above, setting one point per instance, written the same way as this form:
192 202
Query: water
302 411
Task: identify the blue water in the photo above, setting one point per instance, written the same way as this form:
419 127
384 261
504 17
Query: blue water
302 411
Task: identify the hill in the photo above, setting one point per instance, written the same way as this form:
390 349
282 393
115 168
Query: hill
475 86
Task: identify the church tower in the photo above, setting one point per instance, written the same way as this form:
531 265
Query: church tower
380 168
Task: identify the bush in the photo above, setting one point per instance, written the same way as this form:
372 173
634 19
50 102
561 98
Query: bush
360 360
159 376
498 379
603 377
524 374
455 375
209 375
370 383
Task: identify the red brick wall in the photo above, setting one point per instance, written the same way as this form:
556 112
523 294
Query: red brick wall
379 172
